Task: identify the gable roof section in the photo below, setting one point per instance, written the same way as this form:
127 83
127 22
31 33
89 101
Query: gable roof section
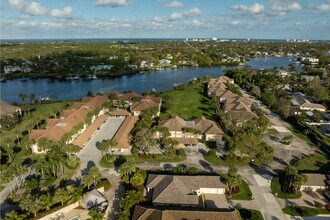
176 189
123 135
316 179
180 213
207 126
93 198
173 124
129 96
96 102
307 104
62 126
86 135
143 105
120 112
6 108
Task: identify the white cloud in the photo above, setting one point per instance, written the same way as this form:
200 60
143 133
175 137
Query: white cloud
252 9
157 19
325 7
174 4
191 13
111 3
282 7
33 8
65 12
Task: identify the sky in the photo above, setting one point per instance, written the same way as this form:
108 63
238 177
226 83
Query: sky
263 19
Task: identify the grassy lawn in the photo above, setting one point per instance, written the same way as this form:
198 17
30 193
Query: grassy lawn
37 113
272 131
221 160
190 102
151 158
300 135
242 161
68 173
304 211
276 188
250 214
320 162
245 192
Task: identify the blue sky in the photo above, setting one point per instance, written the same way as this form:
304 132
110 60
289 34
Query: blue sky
263 19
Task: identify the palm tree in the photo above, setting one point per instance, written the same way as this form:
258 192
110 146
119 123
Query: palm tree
104 148
232 183
32 98
126 170
192 170
95 215
75 193
23 96
233 171
71 149
178 169
93 177
137 179
13 215
9 148
53 97
61 195
47 201
30 205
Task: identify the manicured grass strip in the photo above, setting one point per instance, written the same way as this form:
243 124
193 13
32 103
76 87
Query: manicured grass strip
304 211
250 214
301 135
277 189
244 194
106 164
150 158
320 162
189 103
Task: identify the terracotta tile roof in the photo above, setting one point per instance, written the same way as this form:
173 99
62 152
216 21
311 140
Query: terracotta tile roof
86 99
156 99
77 105
34 134
129 96
120 112
173 124
180 213
87 134
56 132
6 108
143 105
176 189
96 102
316 179
52 122
123 135
68 112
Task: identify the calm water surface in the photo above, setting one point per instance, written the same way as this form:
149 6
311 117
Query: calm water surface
160 80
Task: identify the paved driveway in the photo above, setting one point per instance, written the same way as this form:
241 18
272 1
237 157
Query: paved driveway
90 155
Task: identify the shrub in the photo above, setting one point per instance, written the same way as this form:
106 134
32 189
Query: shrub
212 153
318 204
181 152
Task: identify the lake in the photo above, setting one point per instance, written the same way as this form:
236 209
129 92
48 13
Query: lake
159 80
